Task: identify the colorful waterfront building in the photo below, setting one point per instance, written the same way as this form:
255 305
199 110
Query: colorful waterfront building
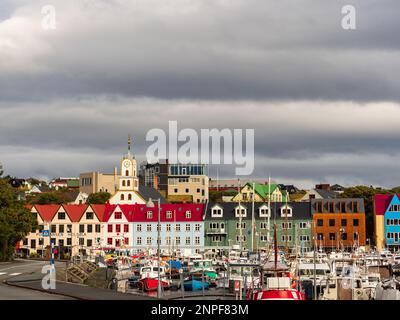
339 223
134 228
387 221
228 225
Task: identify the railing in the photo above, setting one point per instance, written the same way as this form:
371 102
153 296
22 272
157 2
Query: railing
216 231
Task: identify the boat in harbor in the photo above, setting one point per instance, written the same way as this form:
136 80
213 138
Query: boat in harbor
195 285
276 281
151 284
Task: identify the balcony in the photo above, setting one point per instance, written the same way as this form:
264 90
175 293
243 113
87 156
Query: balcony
221 231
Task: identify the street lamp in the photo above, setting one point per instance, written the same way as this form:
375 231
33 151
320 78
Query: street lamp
150 204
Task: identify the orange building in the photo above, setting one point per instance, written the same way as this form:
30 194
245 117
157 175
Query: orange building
339 223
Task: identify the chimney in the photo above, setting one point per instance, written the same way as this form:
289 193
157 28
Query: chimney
155 182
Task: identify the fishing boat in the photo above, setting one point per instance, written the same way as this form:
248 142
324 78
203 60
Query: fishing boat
151 284
277 283
195 285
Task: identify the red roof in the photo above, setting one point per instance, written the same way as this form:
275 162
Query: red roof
108 210
178 212
99 210
381 203
75 211
47 211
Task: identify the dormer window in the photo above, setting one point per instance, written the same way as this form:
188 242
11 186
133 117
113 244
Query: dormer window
286 211
149 214
240 211
264 211
216 212
188 214
169 214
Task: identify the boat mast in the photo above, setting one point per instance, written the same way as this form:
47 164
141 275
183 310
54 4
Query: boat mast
269 209
252 220
286 224
275 248
240 219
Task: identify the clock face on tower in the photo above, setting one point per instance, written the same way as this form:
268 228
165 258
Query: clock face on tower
126 163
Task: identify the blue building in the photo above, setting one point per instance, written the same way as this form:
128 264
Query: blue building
392 224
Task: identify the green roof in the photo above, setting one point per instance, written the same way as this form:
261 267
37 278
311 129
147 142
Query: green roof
73 183
262 189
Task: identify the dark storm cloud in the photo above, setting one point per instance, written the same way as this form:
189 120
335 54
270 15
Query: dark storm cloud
205 50
316 95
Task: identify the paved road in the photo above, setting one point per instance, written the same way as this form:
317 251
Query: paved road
23 269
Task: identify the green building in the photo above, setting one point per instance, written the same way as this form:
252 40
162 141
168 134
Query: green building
223 230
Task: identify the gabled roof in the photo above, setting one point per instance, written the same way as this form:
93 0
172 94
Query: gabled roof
326 194
98 210
47 211
75 211
263 189
381 203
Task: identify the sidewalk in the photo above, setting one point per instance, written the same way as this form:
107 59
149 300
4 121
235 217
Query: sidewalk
76 291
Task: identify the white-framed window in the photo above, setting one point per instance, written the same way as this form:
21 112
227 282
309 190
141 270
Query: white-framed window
197 227
264 211
303 225
286 225
148 228
168 227
167 240
242 211
188 214
286 211
289 238
148 241
178 241
187 227
139 228
241 226
169 214
149 214
263 225
240 237
215 239
139 241
304 237
177 227
187 242
263 238
217 212
197 241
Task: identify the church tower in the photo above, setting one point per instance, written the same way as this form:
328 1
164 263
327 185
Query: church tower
128 185
128 180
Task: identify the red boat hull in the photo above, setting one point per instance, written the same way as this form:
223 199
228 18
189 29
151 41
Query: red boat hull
279 295
149 284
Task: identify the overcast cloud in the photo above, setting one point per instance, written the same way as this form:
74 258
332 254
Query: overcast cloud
324 102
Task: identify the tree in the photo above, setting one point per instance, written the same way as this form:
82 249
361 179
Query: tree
98 198
49 198
366 193
15 221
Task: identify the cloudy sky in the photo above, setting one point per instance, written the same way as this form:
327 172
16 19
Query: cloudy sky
324 101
